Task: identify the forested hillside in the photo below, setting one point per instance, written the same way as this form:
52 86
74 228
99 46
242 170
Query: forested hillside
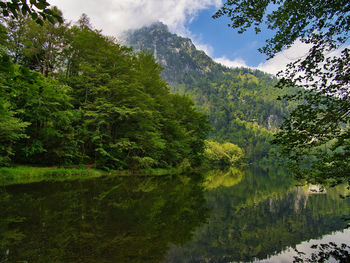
70 95
241 103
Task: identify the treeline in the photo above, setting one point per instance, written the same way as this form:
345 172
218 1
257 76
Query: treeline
70 95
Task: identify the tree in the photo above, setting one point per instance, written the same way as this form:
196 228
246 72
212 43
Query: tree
75 95
40 47
226 154
11 127
315 137
38 9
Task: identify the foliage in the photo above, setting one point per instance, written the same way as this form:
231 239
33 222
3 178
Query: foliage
38 46
37 9
43 106
84 98
316 135
226 154
11 127
27 174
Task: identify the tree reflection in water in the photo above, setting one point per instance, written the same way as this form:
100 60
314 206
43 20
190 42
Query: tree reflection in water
261 216
254 214
131 219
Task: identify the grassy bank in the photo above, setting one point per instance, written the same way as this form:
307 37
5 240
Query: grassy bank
28 174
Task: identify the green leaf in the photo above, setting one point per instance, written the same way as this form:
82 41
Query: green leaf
39 21
34 15
48 11
59 18
41 5
51 20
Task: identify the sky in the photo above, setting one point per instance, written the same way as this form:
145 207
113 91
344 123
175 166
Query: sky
188 18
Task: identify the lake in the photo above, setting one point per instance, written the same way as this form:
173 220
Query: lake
251 215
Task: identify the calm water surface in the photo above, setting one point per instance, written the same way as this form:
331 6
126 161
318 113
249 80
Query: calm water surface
257 215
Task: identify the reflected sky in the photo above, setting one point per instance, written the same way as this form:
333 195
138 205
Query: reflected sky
338 237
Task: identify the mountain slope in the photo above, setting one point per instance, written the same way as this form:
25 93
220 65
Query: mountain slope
241 103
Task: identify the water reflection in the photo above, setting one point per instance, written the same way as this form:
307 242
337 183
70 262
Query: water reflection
228 177
222 216
100 220
316 249
261 216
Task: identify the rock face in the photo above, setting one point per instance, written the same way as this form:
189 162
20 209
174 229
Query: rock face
175 53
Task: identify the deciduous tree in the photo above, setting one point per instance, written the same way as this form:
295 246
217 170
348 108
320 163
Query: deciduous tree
316 135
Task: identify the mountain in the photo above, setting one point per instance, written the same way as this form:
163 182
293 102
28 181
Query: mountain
241 103
177 54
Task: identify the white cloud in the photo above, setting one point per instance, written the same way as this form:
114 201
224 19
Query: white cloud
236 63
273 65
115 16
297 51
280 60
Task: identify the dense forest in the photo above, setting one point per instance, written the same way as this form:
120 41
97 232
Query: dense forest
242 103
71 95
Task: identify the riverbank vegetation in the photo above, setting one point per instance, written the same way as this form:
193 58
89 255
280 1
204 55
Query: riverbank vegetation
26 174
223 155
226 159
21 174
71 95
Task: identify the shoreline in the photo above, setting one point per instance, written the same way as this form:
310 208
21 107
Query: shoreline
23 174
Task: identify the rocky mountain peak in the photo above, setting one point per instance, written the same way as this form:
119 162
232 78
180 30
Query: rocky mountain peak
175 53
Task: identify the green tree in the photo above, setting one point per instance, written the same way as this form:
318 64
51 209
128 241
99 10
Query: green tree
316 135
11 127
40 47
130 118
44 105
86 98
225 154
